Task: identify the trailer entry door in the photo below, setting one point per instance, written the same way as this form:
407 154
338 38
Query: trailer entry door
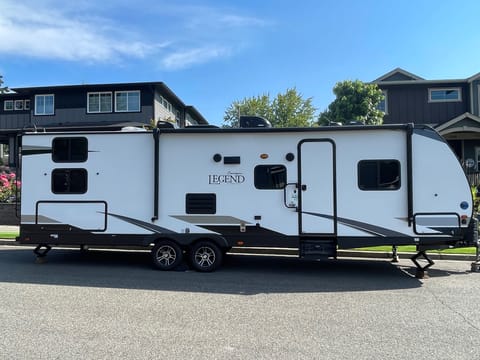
317 199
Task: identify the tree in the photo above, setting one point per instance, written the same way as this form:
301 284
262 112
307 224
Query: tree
355 101
3 90
285 110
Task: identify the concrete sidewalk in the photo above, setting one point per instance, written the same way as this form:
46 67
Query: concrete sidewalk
291 252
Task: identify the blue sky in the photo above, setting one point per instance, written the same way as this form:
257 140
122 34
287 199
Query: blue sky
211 53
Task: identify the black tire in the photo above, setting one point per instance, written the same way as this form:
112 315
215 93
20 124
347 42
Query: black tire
166 255
205 256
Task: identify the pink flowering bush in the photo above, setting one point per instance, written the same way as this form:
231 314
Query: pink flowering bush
8 186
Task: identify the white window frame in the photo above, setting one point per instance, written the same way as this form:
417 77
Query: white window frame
430 90
19 105
129 92
26 105
8 105
385 100
99 93
478 99
43 113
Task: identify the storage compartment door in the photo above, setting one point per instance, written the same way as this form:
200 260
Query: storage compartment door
84 215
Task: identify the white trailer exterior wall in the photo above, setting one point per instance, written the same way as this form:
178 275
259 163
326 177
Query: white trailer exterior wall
349 186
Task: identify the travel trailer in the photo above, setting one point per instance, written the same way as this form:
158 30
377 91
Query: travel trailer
195 193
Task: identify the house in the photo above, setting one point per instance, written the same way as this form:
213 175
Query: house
96 107
452 107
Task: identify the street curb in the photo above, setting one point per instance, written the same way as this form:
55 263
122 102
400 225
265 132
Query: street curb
294 252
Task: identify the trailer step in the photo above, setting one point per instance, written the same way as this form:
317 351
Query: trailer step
318 249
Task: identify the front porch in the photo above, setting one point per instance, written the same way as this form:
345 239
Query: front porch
463 135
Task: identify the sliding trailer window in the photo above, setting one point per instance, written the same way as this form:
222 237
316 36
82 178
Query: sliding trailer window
69 181
379 175
69 149
270 177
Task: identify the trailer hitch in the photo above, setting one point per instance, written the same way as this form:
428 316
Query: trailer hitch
421 270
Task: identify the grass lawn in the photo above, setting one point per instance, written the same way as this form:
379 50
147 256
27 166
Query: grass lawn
8 235
412 249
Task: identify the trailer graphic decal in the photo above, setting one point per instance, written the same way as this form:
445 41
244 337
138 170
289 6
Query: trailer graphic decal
143 224
369 228
210 220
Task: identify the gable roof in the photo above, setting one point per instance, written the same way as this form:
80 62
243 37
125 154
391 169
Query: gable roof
398 74
463 123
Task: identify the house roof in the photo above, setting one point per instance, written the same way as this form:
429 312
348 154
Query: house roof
156 84
463 123
398 74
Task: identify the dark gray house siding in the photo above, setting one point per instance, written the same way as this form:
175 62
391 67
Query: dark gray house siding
70 109
456 119
411 104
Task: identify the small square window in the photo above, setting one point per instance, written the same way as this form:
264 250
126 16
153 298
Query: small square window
18 104
26 105
74 149
379 175
8 105
69 181
270 177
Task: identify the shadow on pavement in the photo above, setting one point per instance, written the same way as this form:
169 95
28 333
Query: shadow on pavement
240 274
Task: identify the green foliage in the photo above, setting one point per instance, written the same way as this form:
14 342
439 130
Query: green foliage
3 90
285 110
355 101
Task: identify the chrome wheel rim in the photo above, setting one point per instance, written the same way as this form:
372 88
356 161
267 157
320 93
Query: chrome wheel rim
166 255
205 256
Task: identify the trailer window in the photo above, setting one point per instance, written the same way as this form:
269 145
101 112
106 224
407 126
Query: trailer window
69 181
379 175
270 177
74 149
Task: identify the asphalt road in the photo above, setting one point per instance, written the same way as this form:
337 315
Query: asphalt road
105 305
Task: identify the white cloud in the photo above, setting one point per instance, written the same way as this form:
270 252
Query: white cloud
185 58
51 34
57 30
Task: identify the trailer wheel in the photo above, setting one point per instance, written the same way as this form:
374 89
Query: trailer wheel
205 256
166 255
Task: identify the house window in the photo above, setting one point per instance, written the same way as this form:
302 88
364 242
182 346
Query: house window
70 149
26 105
69 181
99 102
127 101
379 175
8 105
44 104
383 104
270 177
18 104
444 95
